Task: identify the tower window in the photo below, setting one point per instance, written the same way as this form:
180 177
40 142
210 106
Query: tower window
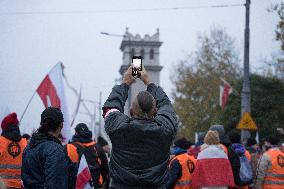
151 54
142 53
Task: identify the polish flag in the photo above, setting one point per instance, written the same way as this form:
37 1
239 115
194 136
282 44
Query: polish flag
225 91
212 168
51 92
84 175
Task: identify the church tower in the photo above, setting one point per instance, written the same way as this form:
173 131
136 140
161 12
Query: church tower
149 48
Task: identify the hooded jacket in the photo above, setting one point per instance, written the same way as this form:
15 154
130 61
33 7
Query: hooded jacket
44 164
140 148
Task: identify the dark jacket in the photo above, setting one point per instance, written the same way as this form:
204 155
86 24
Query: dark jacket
104 166
83 140
234 153
44 164
175 170
140 148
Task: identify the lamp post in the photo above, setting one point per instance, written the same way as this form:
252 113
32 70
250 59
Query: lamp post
129 42
245 99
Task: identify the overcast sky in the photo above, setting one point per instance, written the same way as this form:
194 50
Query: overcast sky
33 42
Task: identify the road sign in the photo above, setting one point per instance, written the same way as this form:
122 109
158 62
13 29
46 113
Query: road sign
247 122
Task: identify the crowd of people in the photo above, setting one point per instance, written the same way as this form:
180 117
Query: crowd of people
144 152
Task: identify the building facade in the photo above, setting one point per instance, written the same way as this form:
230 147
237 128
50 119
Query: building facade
149 48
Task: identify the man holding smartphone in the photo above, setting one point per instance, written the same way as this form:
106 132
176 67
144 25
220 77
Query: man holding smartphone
140 143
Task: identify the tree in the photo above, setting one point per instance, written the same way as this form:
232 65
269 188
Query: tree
197 80
278 62
267 105
279 31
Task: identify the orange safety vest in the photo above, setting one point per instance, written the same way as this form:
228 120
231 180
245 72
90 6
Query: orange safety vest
74 156
11 161
274 178
72 150
187 163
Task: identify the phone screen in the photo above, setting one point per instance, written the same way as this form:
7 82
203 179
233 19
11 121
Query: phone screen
136 65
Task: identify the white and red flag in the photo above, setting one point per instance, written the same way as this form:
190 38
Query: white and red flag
51 92
225 90
84 175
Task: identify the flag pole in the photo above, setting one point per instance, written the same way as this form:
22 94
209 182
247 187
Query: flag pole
27 106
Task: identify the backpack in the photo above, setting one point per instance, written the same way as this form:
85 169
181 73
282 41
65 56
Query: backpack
245 170
241 168
92 159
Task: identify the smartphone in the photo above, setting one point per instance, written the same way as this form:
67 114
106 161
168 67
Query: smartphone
136 65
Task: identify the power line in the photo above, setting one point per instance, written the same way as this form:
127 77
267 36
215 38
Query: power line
121 10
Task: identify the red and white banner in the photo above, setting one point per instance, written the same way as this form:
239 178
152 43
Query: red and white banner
84 175
51 92
225 91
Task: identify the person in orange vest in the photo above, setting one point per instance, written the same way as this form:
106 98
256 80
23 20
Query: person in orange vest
181 166
82 144
12 146
270 172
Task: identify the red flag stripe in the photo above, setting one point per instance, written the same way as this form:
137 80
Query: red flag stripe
83 178
225 95
47 90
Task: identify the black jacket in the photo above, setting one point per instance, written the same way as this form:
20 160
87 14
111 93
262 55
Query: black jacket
175 173
73 167
44 164
104 169
140 148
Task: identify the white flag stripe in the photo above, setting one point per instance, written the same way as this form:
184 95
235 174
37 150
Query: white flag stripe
56 77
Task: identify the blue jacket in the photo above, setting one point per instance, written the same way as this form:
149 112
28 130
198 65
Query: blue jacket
44 164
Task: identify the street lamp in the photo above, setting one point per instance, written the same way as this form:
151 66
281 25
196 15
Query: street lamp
129 42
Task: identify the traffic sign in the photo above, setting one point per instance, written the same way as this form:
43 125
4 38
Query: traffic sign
247 122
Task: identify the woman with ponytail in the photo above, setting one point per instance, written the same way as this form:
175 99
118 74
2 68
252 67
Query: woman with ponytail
44 159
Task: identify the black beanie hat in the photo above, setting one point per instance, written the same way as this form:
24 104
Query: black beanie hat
83 132
81 127
101 141
182 143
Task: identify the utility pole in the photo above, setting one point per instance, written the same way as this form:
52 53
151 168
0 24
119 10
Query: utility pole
245 104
